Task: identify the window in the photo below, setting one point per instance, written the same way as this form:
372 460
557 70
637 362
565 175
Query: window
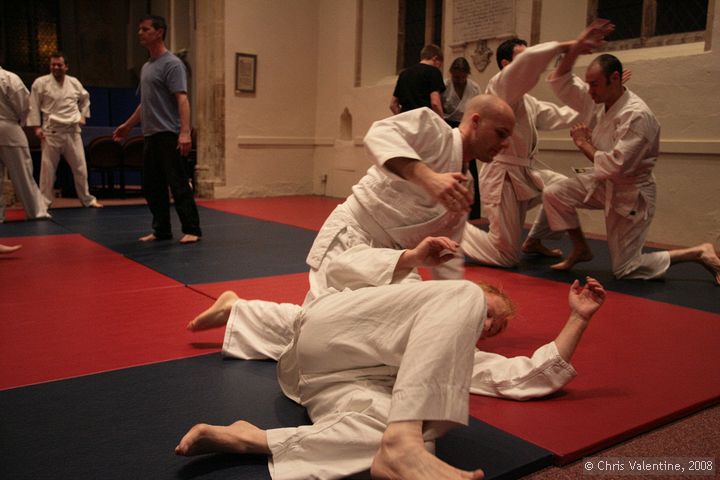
30 35
419 23
650 23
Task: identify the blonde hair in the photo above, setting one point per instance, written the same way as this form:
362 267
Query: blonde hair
510 308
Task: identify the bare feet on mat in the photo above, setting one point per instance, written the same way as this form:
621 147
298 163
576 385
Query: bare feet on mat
95 204
148 238
187 238
215 316
572 259
405 457
240 437
710 260
9 248
535 246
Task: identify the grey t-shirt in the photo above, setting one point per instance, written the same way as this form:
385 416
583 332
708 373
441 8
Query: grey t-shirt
160 79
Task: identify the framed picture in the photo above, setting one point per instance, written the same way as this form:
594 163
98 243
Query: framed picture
245 72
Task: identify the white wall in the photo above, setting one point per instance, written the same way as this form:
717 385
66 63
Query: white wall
270 133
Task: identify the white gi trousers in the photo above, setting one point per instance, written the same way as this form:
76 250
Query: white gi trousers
364 358
501 245
18 163
625 235
68 144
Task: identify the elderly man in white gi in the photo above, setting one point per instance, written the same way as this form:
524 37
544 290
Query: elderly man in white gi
370 364
622 140
64 105
512 184
14 152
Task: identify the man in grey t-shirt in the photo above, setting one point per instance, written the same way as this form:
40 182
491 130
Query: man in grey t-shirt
165 113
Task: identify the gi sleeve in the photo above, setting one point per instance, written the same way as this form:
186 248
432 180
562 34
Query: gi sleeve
83 101
552 117
19 98
523 73
520 378
573 92
411 135
364 266
33 118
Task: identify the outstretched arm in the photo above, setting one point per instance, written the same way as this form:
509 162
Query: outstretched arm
591 38
549 369
584 301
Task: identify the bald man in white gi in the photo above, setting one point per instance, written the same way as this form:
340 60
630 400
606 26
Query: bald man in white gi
622 140
64 105
512 184
417 187
14 152
370 364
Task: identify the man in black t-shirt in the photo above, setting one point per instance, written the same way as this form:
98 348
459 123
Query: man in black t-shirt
422 84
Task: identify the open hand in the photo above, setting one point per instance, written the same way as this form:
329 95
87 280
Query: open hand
431 252
586 300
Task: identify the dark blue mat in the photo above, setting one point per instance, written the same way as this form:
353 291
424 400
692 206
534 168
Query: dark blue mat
232 247
685 284
125 424
25 228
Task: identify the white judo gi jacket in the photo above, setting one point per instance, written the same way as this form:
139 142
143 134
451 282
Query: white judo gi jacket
627 139
453 104
385 210
511 184
62 106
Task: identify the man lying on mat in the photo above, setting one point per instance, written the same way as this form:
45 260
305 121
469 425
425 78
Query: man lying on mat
251 334
370 364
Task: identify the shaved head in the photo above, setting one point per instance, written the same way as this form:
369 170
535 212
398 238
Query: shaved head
486 126
487 105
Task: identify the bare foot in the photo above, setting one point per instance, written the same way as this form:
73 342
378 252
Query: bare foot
215 316
187 238
148 238
535 246
572 259
404 457
9 248
240 437
710 260
95 204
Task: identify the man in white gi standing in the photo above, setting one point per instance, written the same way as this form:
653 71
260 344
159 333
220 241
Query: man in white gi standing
399 337
64 105
622 140
14 152
511 185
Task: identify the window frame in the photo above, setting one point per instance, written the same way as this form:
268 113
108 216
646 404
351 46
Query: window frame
647 29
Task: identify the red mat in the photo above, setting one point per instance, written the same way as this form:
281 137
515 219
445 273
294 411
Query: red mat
14 214
289 288
305 211
70 266
641 364
70 335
